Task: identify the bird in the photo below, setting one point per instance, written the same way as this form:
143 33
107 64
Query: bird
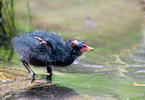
42 48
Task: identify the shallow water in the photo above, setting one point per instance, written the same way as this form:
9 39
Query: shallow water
82 80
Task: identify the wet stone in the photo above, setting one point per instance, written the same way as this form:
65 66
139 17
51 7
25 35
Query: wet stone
46 92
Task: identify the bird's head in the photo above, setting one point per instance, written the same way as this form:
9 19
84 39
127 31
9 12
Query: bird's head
79 47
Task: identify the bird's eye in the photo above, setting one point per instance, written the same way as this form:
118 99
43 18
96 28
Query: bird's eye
84 46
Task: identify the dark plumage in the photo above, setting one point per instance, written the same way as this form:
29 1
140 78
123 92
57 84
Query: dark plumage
42 48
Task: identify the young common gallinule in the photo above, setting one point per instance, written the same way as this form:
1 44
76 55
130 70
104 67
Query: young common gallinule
42 48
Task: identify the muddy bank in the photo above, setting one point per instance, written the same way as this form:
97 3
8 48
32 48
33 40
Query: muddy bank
15 84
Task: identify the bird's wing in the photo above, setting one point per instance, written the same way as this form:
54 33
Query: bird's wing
41 40
44 43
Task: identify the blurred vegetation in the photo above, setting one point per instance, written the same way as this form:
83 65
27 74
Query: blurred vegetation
7 26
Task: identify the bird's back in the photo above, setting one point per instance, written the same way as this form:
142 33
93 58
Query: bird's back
30 49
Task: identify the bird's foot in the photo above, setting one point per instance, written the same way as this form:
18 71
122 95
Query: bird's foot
33 75
48 80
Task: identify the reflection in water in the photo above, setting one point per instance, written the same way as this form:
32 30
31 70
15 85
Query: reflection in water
142 71
96 66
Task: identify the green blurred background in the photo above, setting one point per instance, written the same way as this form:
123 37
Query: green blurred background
107 25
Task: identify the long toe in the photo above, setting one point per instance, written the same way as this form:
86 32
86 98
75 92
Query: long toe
48 81
32 77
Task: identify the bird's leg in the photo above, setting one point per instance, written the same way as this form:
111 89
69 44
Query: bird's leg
49 70
32 74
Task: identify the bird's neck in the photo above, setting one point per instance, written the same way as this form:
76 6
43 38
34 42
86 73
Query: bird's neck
71 55
66 57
